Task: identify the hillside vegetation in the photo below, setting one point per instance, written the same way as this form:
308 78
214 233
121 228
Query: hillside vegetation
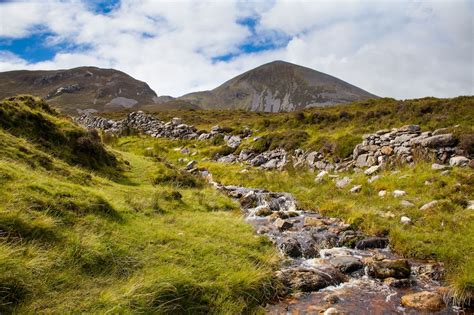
88 229
443 233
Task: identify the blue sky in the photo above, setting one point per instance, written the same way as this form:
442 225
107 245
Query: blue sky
401 49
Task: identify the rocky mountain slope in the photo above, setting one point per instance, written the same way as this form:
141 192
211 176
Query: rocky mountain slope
80 90
278 86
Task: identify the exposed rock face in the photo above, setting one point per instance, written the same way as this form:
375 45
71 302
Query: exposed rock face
278 86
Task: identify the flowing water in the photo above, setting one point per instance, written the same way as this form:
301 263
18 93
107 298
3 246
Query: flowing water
338 270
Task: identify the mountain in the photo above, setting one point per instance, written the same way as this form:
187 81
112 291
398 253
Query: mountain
80 90
278 86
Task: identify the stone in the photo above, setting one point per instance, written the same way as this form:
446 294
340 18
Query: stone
405 220
409 128
425 300
406 203
346 264
234 141
320 177
372 242
470 205
362 160
309 280
291 247
249 200
263 211
356 189
399 283
282 225
374 178
444 140
460 161
372 170
439 167
397 268
332 311
343 182
312 221
429 205
386 150
399 193
227 159
382 193
191 165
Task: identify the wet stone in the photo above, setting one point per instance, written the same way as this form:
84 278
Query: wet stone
309 280
346 264
397 268
290 247
372 242
282 225
425 300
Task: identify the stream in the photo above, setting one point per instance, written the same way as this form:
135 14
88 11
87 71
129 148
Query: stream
335 269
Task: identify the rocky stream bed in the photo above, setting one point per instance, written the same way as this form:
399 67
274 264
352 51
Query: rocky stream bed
330 268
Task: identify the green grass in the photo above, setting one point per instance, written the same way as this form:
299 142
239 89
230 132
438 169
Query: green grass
443 233
73 240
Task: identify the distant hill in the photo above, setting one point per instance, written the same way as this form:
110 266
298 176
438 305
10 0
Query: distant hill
278 86
80 90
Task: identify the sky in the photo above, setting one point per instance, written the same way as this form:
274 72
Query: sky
401 49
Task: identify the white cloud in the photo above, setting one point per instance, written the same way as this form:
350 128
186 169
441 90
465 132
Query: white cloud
398 49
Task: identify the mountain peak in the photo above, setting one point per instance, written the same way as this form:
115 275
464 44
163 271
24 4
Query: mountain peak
279 86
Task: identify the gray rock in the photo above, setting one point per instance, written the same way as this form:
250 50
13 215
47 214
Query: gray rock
372 170
459 161
439 167
437 141
356 189
346 264
399 193
406 203
343 182
429 205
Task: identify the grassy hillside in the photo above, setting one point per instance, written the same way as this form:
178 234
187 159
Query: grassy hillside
444 232
147 239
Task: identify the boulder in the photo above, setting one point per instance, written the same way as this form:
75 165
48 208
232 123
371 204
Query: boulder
444 140
309 280
291 247
372 242
356 189
386 150
399 193
429 205
343 182
282 225
263 211
346 264
320 177
372 170
397 268
427 301
405 220
459 161
439 167
312 221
